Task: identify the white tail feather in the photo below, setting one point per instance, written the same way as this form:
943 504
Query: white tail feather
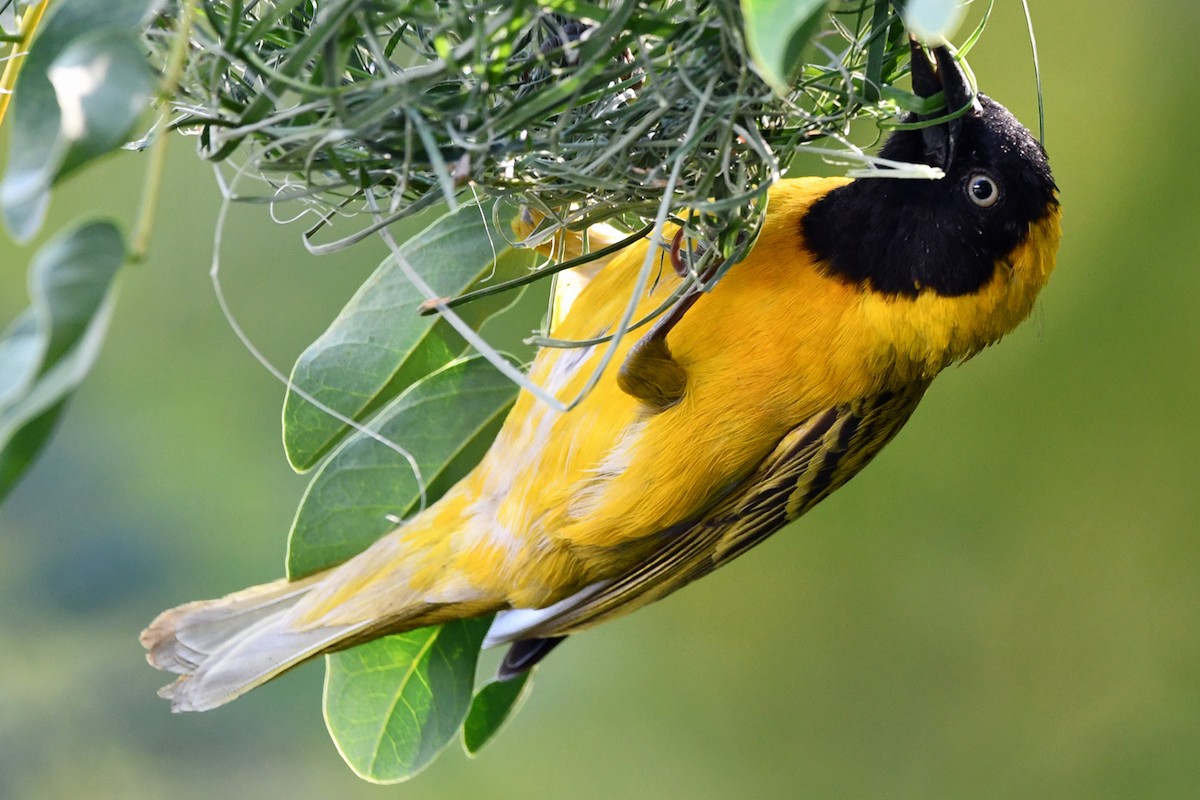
224 648
518 623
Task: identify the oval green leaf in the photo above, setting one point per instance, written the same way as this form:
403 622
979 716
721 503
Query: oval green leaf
47 351
494 704
379 343
777 32
393 704
445 421
103 85
107 85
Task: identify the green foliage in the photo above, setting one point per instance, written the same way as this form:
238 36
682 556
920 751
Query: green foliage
446 421
379 344
393 704
47 351
83 85
777 31
491 708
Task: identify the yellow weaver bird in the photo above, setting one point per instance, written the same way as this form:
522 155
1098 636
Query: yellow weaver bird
778 387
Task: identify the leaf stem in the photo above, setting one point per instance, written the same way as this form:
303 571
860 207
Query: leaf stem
140 241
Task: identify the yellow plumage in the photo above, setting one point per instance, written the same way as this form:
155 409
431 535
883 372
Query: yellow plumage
793 372
564 500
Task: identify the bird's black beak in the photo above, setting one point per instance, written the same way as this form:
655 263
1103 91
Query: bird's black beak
947 77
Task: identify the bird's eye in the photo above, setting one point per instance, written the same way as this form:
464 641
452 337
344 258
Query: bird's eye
982 190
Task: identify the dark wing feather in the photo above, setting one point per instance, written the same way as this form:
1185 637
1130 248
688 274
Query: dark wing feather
805 467
524 655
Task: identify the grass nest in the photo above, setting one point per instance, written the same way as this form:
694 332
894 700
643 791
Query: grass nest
620 111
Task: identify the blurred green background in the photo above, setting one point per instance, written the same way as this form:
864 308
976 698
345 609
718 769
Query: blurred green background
1006 604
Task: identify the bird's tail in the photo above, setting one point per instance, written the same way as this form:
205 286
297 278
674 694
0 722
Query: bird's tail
411 577
224 648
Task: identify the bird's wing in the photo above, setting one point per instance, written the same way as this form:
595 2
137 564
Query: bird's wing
809 463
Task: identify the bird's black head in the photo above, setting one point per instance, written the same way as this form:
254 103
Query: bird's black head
903 235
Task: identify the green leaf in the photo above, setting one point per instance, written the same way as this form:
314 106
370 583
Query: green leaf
379 344
933 20
880 18
493 705
393 704
83 85
445 421
777 32
47 351
103 85
21 350
26 442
